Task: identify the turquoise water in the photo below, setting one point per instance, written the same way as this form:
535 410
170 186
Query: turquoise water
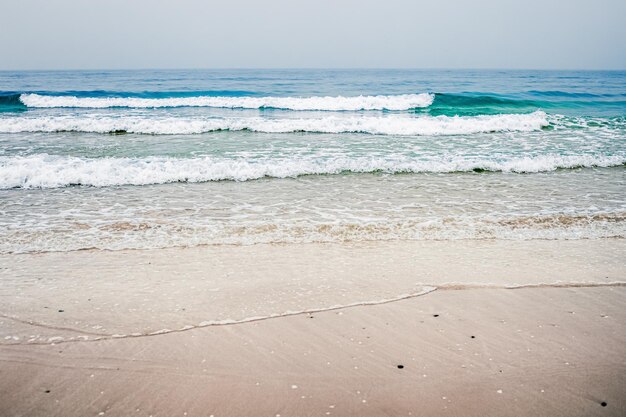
138 159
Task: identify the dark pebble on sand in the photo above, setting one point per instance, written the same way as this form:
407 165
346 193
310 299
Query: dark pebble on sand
400 366
435 315
47 391
473 337
61 311
603 403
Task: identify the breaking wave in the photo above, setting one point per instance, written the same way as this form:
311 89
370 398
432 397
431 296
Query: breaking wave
383 125
48 171
328 103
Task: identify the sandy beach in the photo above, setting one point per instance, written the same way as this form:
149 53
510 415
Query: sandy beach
506 329
312 209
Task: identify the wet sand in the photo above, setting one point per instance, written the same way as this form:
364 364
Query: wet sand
556 347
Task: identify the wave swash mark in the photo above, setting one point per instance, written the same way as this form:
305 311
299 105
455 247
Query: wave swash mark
426 289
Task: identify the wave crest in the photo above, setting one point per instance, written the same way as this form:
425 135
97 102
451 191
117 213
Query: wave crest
327 103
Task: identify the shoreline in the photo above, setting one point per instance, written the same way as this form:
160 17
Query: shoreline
537 351
158 291
504 328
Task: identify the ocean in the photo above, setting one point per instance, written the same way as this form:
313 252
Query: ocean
115 160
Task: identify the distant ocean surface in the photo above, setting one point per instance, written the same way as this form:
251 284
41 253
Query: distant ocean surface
149 159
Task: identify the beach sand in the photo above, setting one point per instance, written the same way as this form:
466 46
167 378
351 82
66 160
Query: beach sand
497 328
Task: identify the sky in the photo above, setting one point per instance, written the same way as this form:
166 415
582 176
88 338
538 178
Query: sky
127 34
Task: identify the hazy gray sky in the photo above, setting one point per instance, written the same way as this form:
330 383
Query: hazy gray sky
99 34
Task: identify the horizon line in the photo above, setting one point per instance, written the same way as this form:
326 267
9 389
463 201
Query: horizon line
314 69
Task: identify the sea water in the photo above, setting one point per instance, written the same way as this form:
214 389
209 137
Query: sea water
152 159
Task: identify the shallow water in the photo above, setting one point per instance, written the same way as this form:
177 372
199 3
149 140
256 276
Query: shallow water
150 159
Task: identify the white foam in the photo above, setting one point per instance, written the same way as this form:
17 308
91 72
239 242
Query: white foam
338 103
48 171
383 125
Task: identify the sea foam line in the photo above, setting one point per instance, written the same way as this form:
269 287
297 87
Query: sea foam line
327 103
384 125
51 171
